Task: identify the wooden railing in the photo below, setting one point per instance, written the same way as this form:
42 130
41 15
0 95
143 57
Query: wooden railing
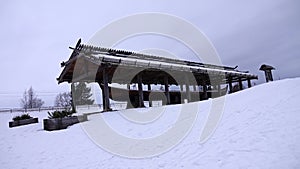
11 110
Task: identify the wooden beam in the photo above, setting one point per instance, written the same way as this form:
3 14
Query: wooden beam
106 103
187 87
167 89
240 83
230 84
181 87
204 87
249 82
149 90
103 99
140 90
149 87
73 101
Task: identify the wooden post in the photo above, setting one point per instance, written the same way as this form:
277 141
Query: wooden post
149 87
103 99
268 75
230 84
167 89
181 87
106 104
240 83
128 86
204 87
249 82
188 93
140 90
219 89
268 71
73 101
181 93
149 90
194 87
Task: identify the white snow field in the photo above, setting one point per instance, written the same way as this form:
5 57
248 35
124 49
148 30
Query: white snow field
259 128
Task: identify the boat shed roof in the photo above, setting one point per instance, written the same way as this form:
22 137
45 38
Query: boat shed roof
87 63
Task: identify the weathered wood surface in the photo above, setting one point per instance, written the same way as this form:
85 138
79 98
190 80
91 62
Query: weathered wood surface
23 122
62 123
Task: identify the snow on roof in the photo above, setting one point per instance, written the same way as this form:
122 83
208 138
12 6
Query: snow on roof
128 59
122 57
266 67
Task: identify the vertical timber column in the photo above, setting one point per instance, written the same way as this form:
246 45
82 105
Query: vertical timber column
167 89
249 82
204 86
270 77
187 88
103 99
149 90
230 84
106 104
73 104
240 83
181 93
266 75
181 87
140 90
219 89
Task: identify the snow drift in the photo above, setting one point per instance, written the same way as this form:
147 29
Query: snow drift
259 128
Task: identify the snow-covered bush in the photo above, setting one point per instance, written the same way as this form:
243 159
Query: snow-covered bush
59 114
22 117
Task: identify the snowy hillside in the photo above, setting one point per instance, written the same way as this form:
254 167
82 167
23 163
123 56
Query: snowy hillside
259 128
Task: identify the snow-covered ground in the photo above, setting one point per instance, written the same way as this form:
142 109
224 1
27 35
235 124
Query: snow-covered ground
259 128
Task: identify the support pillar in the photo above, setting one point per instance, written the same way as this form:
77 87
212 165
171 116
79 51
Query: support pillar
149 90
140 90
188 93
103 99
240 83
167 89
181 87
219 89
268 75
181 93
105 92
73 104
187 88
230 84
128 86
249 82
204 87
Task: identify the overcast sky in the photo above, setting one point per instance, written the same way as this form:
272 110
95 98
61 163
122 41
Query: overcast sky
35 36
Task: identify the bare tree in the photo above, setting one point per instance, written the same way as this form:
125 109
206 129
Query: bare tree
30 100
63 100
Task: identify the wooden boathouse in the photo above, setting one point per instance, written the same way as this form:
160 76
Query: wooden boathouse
106 66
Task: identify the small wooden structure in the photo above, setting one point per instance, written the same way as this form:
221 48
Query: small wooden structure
22 122
106 66
62 123
268 71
